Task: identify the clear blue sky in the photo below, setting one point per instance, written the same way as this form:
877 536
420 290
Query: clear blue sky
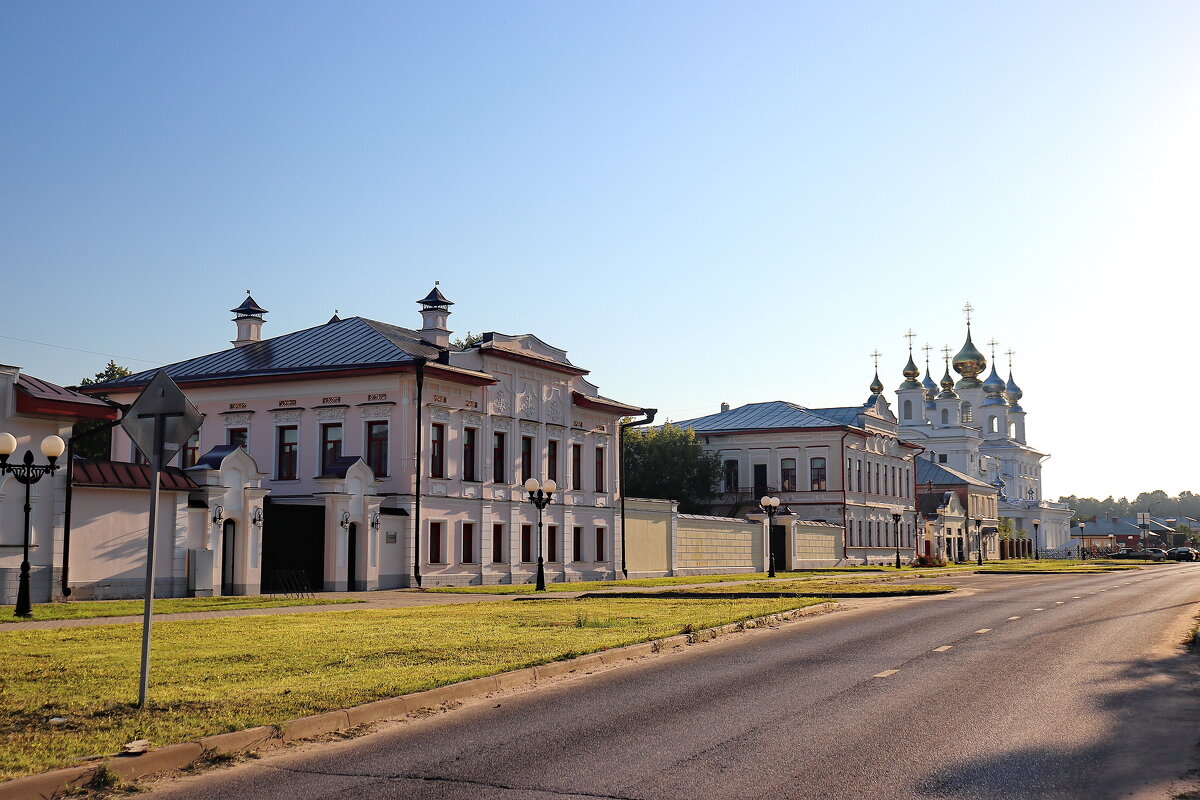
702 202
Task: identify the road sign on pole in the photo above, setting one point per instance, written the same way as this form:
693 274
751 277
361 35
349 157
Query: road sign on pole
159 422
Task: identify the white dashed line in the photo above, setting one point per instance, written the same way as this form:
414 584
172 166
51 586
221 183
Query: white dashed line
886 673
1010 619
983 630
1076 597
943 648
1039 609
1059 602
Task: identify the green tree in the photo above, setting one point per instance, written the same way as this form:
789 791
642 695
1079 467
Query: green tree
99 445
668 462
464 342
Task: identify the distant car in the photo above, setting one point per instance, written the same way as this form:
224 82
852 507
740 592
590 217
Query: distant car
1148 554
1184 554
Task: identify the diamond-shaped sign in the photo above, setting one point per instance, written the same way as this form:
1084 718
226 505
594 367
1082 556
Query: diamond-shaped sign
161 403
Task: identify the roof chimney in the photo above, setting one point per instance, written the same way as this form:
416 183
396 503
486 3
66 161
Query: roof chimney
435 313
724 407
249 321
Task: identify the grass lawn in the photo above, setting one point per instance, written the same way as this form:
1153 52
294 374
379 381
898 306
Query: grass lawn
591 586
216 675
170 605
1067 565
818 587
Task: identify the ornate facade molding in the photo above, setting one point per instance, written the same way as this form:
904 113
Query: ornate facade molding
554 412
502 424
283 417
377 412
331 414
473 420
500 403
439 414
578 436
529 428
528 407
237 420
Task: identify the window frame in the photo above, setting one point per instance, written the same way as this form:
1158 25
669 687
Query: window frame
499 454
818 476
328 444
283 455
377 461
437 450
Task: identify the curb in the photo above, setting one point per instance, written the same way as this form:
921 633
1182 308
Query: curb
60 782
771 595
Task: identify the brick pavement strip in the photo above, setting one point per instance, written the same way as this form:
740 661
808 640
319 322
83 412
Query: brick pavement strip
177 756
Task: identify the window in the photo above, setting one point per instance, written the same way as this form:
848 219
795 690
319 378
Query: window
287 442
552 460
908 409
993 425
731 475
331 445
552 544
435 543
577 467
868 477
377 448
599 544
816 470
849 473
437 451
577 543
497 543
942 458
859 489
498 470
787 474
1012 430
470 473
860 535
895 489
945 416
238 437
526 458
191 451
527 543
879 487
468 543
599 469
966 412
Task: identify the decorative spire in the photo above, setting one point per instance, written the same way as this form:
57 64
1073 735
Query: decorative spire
1012 392
947 381
910 369
969 362
876 385
249 308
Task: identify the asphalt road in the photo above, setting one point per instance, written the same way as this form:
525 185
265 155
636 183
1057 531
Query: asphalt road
1060 686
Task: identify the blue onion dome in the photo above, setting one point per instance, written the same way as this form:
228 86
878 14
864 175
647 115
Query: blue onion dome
969 363
928 384
876 385
1013 393
994 386
947 386
910 374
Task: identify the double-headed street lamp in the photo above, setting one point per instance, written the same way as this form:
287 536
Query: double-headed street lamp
770 507
540 494
979 540
1036 524
896 530
28 473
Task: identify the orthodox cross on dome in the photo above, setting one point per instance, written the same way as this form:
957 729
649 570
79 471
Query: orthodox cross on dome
992 344
910 336
967 309
1010 353
876 356
946 355
927 350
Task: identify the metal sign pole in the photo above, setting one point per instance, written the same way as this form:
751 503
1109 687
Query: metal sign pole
156 467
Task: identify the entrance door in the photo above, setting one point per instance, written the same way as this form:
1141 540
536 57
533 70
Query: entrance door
352 558
779 546
228 555
293 547
760 480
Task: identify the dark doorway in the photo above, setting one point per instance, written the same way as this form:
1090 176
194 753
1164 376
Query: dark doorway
228 555
779 546
760 480
293 542
352 558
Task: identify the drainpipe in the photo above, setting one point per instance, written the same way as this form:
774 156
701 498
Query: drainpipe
420 364
845 528
66 556
649 414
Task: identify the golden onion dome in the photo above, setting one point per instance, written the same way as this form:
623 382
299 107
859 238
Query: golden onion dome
994 386
947 386
876 385
910 374
969 363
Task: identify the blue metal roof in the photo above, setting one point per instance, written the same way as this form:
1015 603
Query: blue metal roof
928 472
841 416
347 343
761 416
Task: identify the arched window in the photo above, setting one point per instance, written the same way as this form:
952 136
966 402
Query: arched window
966 411
1012 430
787 469
908 409
945 416
993 424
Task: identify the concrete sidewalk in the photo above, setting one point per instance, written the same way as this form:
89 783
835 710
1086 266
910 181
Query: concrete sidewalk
385 598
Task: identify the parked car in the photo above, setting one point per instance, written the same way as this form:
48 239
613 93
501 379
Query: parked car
1148 554
1184 554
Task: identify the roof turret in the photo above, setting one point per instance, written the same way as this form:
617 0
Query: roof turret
249 308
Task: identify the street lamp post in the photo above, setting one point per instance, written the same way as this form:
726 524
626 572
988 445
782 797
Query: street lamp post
540 495
896 530
28 473
979 540
1082 540
770 507
1036 524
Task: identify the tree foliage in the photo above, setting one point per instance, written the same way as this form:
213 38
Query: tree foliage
668 462
1157 502
464 342
99 445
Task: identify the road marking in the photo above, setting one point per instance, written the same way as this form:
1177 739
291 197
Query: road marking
983 630
886 673
1076 597
1010 619
1059 602
1039 609
943 648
